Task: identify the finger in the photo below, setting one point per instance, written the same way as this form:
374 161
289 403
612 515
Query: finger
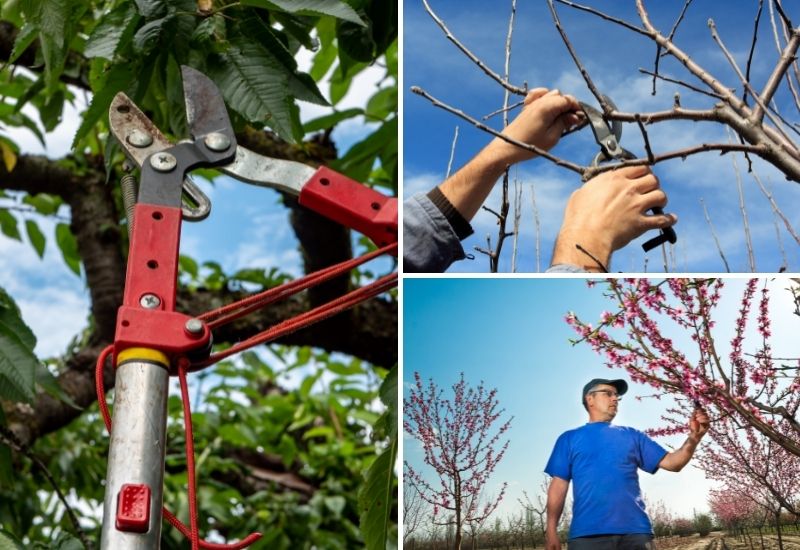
535 94
646 183
652 199
658 221
634 172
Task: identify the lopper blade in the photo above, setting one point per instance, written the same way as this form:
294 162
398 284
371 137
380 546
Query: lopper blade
205 108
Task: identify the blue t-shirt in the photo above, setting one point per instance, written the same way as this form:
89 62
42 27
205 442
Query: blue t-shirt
601 461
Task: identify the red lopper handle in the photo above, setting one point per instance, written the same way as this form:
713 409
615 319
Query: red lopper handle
351 204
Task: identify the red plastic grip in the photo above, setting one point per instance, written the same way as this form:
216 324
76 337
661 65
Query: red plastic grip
133 508
351 204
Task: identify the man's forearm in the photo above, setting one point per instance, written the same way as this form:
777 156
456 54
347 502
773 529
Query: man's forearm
677 459
468 188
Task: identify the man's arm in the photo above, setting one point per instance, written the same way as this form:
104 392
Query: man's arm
556 497
677 459
541 123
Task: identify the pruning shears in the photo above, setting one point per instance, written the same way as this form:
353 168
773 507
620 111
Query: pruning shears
152 339
607 134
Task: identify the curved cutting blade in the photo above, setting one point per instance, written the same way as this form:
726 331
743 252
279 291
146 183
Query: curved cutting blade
205 108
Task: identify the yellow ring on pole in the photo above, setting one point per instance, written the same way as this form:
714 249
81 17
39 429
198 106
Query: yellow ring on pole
142 354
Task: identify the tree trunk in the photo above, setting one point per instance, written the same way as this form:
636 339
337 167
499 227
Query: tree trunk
778 529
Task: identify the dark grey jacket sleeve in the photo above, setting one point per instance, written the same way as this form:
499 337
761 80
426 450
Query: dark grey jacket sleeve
430 244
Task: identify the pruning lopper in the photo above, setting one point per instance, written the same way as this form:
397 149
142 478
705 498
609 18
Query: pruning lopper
153 340
607 137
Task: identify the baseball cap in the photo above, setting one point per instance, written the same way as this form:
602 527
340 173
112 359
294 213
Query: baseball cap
620 385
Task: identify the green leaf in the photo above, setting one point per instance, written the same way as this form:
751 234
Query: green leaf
255 85
320 431
151 8
360 159
8 225
53 20
49 383
375 500
345 370
113 32
8 542
17 367
36 237
188 265
11 318
328 121
25 38
147 37
326 55
336 8
355 43
69 247
382 104
43 203
117 80
388 394
300 84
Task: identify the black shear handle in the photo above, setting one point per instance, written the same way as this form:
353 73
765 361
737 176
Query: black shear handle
664 235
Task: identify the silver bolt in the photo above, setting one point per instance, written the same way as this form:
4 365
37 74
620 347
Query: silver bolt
611 144
150 301
163 162
194 326
140 139
217 142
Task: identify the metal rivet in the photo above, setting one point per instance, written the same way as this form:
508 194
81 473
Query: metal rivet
217 141
150 301
163 162
140 139
194 326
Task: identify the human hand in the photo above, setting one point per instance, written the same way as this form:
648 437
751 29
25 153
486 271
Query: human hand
698 424
607 213
543 119
551 541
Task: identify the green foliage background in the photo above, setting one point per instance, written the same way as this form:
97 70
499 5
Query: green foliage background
338 432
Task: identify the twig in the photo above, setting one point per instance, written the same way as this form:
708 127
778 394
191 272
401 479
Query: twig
605 16
681 83
588 79
517 218
452 154
647 148
11 439
724 148
503 110
760 109
785 263
777 210
787 57
670 37
779 48
538 227
714 234
748 241
752 46
504 83
541 152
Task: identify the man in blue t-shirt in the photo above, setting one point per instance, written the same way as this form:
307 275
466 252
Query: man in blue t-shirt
602 461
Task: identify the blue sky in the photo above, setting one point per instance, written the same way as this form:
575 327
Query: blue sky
511 334
613 57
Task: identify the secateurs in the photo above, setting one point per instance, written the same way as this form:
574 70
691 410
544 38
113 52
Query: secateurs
607 137
153 340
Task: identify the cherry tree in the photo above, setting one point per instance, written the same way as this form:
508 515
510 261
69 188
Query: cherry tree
731 510
461 442
747 384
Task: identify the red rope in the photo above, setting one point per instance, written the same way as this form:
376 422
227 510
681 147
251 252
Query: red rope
228 314
231 312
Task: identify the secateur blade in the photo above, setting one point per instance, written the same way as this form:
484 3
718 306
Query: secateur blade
140 138
607 135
